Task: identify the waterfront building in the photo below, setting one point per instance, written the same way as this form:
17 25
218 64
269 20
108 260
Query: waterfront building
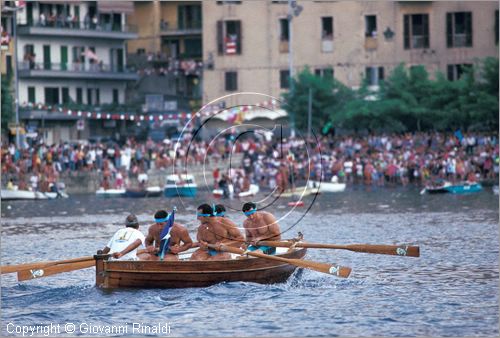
71 59
247 44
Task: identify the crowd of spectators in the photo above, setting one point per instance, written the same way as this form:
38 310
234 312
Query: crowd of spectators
267 162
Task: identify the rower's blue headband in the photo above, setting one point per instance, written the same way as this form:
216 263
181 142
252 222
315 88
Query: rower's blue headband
249 212
222 213
203 215
161 220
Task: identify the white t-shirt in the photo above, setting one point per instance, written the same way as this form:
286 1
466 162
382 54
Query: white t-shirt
123 238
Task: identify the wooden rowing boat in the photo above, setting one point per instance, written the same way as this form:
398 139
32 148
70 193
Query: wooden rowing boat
186 274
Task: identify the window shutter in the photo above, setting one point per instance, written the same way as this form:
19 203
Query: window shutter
425 23
406 33
220 37
449 30
468 29
240 37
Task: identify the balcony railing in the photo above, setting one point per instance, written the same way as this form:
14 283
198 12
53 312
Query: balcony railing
76 70
74 67
461 40
193 27
77 28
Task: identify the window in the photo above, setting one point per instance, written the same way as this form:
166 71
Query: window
327 28
192 47
97 97
284 35
231 81
455 72
324 72
374 75
46 57
89 96
371 26
79 95
229 2
141 51
31 95
416 31
51 95
284 79
189 16
459 29
496 27
65 95
229 37
116 97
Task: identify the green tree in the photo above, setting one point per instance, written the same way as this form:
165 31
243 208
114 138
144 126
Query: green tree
328 96
7 102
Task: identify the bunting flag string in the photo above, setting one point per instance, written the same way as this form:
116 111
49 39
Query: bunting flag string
236 114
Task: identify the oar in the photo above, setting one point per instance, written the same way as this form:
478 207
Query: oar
336 270
53 269
397 250
40 265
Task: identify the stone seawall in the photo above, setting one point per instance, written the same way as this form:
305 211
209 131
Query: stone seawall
88 182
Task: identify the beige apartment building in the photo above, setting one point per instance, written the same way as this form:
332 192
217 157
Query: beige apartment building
246 44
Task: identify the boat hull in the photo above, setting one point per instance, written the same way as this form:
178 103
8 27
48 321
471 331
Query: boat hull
180 191
188 274
455 189
11 195
326 187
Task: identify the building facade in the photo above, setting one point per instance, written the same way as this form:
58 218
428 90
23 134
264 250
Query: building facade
247 44
72 55
168 51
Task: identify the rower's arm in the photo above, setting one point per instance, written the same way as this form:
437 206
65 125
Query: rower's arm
134 245
186 240
149 238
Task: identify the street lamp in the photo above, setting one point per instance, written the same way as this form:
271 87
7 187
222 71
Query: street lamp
293 10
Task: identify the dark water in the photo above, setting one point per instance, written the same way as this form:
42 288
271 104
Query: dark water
451 290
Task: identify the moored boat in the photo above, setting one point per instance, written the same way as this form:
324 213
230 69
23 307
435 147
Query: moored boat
180 185
140 193
186 274
447 187
9 195
108 193
254 189
327 186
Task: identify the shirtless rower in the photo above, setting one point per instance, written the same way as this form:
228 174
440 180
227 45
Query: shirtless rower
234 233
178 234
259 226
211 231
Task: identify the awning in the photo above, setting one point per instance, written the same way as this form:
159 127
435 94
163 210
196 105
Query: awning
13 130
126 7
253 114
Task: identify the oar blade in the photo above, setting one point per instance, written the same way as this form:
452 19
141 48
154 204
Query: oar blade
52 270
331 269
396 250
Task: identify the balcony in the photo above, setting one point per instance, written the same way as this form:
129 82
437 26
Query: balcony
91 71
190 28
327 45
462 40
284 46
370 43
80 29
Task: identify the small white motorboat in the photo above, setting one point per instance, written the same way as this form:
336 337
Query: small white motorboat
9 195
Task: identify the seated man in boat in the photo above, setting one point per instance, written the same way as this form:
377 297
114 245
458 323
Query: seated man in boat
234 233
211 231
178 233
260 226
125 242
